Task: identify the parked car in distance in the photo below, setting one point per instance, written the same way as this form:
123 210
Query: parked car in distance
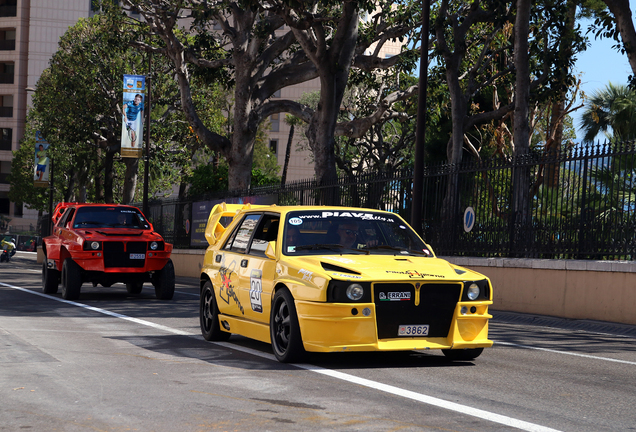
336 279
105 244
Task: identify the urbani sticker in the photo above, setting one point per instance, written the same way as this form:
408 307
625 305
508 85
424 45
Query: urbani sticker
342 260
295 221
226 291
306 274
342 275
415 274
395 296
256 290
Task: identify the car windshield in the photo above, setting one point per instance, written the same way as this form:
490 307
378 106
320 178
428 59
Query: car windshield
335 232
109 217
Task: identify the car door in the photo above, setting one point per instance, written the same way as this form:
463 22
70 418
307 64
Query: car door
227 280
257 272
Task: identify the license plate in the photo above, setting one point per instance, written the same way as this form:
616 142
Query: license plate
137 256
413 330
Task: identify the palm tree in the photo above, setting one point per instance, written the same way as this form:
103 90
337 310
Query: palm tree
610 111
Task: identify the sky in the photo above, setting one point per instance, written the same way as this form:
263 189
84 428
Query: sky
600 65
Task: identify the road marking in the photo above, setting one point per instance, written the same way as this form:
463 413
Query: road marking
429 400
565 353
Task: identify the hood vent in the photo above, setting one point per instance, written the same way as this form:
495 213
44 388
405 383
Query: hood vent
121 233
331 267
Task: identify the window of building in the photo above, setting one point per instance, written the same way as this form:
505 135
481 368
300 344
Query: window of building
8 8
7 39
6 106
6 72
275 122
6 135
273 146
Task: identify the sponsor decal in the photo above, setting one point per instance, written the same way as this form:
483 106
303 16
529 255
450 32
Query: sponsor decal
342 260
226 291
415 274
291 248
256 290
343 275
395 296
295 221
306 274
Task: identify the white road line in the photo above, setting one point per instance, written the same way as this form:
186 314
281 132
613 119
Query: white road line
441 403
565 353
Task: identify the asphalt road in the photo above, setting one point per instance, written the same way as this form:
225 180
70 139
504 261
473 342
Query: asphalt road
112 362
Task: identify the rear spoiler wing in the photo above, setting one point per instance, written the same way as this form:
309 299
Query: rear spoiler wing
214 229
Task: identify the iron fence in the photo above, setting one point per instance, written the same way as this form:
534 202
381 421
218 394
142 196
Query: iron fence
574 204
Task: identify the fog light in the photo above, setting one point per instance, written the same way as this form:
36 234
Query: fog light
355 292
464 310
473 309
354 311
366 311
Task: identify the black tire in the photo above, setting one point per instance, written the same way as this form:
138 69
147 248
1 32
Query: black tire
462 354
71 279
209 315
50 279
134 288
287 342
163 281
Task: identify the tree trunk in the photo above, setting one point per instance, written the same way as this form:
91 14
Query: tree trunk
108 176
320 134
520 223
555 127
283 178
625 26
130 179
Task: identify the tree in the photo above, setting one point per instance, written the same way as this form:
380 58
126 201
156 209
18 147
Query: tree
329 33
249 52
610 111
77 106
623 25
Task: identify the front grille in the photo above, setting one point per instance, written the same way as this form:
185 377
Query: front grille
436 307
117 254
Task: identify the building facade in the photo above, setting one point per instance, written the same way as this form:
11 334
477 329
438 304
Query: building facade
29 35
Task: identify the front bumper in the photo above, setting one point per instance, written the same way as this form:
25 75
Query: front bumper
337 327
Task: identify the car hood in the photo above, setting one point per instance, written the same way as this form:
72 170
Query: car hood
105 234
386 267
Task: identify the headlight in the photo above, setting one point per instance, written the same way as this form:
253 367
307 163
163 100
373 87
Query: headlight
92 245
153 245
355 292
473 291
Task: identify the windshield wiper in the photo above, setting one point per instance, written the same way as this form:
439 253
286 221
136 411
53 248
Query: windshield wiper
396 248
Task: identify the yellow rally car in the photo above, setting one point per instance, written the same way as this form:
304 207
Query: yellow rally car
334 279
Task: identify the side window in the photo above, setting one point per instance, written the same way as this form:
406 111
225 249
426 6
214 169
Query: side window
267 231
67 217
241 237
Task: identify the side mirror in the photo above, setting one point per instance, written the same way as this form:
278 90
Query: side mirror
270 252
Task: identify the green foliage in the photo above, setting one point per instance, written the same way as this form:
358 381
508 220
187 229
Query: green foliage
610 111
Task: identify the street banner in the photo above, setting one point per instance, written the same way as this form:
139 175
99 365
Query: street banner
132 130
42 162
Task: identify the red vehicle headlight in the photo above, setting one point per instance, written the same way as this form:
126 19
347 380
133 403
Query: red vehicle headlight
92 245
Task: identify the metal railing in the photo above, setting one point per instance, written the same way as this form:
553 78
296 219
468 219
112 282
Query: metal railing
574 204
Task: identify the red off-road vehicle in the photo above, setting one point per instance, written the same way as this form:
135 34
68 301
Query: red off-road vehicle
105 244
